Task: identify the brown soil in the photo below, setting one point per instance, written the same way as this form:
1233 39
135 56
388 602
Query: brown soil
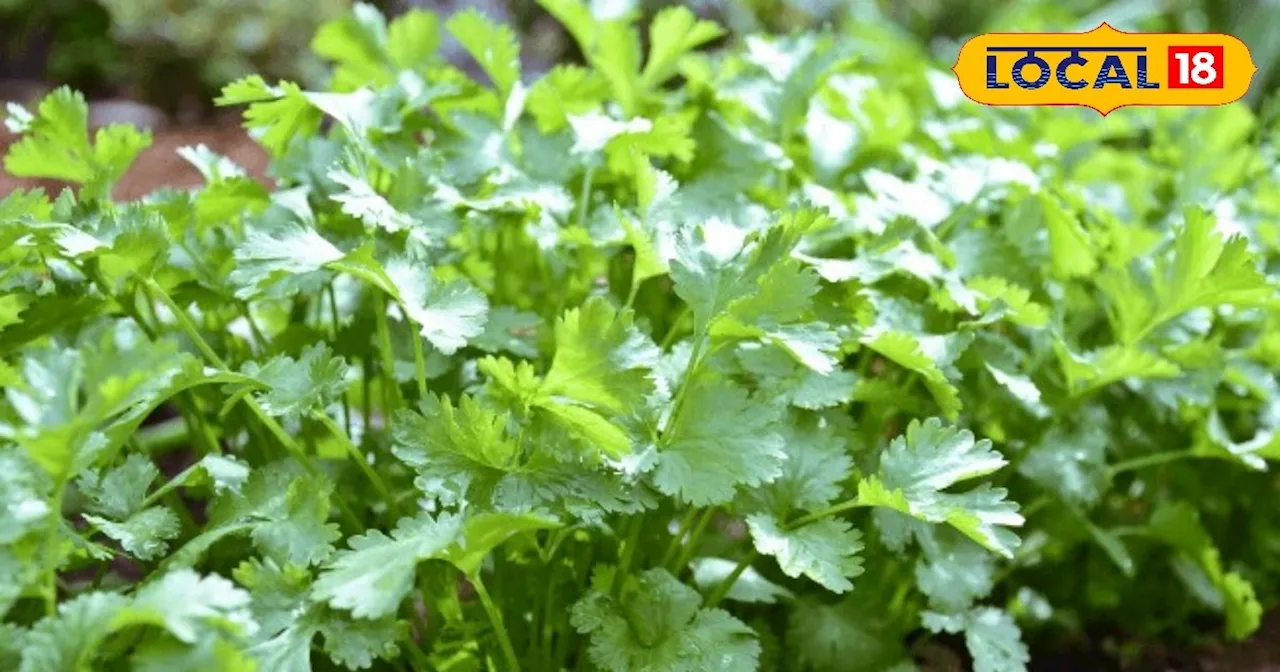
159 165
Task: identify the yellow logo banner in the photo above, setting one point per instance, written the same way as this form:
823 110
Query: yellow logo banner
1104 69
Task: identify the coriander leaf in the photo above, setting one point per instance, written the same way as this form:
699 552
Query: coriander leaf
493 46
486 531
449 313
142 534
919 465
459 452
294 387
925 355
268 256
1178 524
721 439
847 635
656 623
674 32
55 144
825 551
374 575
992 636
283 509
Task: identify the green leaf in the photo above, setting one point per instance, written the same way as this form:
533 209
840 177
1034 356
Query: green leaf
493 46
449 314
722 439
486 531
413 38
55 144
921 464
656 624
1071 250
459 453
283 509
993 638
925 355
142 534
297 386
716 264
674 32
266 257
1178 524
374 575
825 551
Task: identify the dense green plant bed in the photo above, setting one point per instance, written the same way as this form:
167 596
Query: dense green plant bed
780 355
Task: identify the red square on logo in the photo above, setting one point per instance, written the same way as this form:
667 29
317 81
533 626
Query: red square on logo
1195 67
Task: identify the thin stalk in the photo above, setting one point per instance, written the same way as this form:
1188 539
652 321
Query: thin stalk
674 330
827 512
390 392
336 324
163 436
690 546
690 371
727 584
50 588
420 366
677 541
585 197
1149 461
628 553
360 460
366 394
258 336
495 619
272 426
632 291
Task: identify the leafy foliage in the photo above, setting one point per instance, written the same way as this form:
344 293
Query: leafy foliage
758 358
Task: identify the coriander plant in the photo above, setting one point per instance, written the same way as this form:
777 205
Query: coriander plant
722 354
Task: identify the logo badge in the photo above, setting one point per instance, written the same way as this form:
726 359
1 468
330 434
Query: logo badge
1104 69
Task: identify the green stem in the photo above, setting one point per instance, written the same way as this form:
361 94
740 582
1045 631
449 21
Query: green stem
827 512
674 330
727 584
273 427
1149 461
677 541
585 196
499 628
390 392
689 373
360 460
686 552
253 326
162 436
691 546
628 553
169 486
346 396
547 629
420 366
632 291
50 589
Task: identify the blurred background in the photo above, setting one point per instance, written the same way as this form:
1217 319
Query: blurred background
173 55
159 63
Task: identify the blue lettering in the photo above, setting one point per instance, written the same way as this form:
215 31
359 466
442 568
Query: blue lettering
1142 75
1030 59
1105 76
1074 59
992 82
